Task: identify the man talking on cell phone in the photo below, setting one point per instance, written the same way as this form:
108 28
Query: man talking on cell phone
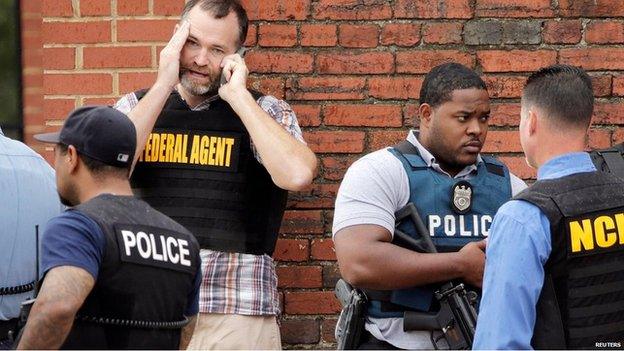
219 159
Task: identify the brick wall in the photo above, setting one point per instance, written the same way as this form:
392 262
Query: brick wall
352 69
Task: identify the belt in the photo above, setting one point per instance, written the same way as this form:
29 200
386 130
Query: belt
6 326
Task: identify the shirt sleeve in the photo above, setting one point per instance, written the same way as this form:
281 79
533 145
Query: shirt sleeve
517 184
372 190
517 249
126 103
283 114
72 239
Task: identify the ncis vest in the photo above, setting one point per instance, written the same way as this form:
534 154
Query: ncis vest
455 212
610 160
582 300
147 273
199 169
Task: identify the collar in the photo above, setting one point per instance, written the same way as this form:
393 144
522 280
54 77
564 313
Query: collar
566 164
431 161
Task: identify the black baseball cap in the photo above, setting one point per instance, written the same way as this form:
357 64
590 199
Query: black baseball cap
100 132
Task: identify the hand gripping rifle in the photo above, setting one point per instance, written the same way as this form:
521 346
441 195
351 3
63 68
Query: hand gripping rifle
457 317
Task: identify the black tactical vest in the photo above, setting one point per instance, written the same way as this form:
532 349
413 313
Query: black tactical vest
199 169
582 300
147 273
610 160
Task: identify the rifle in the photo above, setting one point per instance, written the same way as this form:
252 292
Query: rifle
457 317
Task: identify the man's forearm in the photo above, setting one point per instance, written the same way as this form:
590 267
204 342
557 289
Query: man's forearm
291 164
368 259
145 114
64 290
45 330
187 333
407 268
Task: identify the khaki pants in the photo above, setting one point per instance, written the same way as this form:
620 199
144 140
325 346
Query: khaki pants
215 331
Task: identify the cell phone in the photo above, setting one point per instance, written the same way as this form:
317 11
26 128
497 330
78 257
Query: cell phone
241 52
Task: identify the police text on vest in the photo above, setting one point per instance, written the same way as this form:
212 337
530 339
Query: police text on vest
460 225
157 247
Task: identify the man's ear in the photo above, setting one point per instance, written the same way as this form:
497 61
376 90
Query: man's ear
175 29
425 112
72 158
532 122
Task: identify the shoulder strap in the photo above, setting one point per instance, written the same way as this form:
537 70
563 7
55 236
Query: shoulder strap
494 166
406 148
614 159
409 156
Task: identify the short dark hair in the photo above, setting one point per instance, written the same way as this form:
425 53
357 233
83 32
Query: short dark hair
564 92
443 79
98 168
220 9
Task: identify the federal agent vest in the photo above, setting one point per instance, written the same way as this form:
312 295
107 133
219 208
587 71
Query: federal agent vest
198 168
432 194
582 300
146 274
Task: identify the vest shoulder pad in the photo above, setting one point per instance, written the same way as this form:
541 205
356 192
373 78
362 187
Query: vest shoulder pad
609 160
494 166
408 155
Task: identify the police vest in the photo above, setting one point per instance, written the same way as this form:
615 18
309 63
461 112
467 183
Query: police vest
146 275
610 160
456 212
198 168
581 304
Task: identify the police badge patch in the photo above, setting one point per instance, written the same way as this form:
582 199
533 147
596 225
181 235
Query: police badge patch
462 197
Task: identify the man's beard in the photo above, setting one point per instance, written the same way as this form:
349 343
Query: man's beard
67 200
196 88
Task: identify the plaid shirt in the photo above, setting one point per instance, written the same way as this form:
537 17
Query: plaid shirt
237 283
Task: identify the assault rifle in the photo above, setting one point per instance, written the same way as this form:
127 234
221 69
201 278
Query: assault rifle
457 317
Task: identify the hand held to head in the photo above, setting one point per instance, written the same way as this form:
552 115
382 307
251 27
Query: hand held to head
169 63
234 76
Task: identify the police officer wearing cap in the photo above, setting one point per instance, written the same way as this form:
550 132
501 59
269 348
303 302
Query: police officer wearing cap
456 191
555 258
117 273
29 199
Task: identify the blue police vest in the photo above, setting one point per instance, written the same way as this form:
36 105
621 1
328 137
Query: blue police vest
432 194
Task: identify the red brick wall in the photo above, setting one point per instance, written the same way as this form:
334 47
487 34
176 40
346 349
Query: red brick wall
352 69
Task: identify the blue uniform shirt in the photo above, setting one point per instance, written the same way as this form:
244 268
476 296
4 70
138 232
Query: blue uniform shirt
28 198
518 247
